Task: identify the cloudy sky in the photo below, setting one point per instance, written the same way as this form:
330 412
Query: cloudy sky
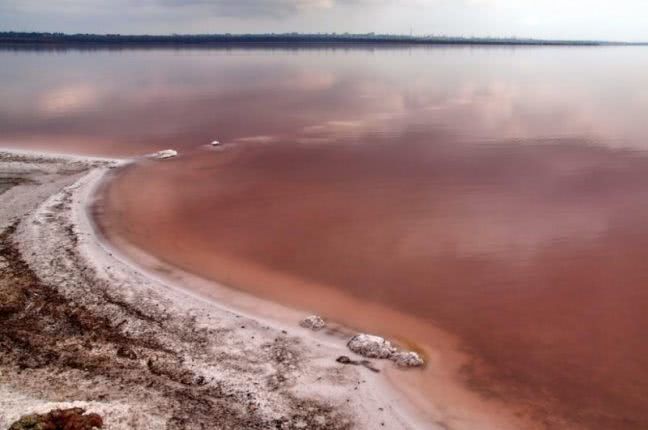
579 19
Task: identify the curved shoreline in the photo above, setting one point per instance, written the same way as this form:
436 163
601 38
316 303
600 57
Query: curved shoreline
443 402
271 313
188 350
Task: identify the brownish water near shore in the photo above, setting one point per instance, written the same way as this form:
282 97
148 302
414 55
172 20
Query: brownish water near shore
498 194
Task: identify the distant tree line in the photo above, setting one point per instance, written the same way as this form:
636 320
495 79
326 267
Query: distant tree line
22 38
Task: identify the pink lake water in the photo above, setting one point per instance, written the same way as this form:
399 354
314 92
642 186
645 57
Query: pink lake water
497 194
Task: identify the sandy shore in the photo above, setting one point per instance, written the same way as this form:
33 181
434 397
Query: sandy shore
82 326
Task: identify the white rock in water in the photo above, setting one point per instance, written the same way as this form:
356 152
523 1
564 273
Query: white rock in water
215 143
407 359
167 153
313 322
371 346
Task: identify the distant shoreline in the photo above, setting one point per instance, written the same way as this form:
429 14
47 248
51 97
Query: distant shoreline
18 39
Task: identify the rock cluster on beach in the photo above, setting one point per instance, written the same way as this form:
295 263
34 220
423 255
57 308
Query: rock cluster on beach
313 322
368 345
377 347
371 346
407 359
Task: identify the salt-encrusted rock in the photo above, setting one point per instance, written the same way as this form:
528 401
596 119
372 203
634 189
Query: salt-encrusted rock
313 322
167 153
407 359
371 346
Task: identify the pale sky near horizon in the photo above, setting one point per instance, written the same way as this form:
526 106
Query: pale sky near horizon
555 19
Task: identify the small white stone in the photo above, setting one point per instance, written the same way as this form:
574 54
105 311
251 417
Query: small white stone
215 143
301 424
167 153
407 359
313 322
371 346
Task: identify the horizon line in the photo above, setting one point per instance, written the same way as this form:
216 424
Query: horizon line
11 36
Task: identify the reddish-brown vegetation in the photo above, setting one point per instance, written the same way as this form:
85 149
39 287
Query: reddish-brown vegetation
59 419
